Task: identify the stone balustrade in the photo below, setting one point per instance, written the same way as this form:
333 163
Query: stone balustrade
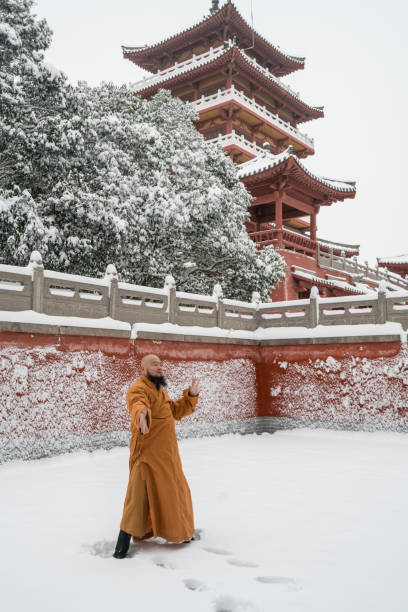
238 140
234 94
327 260
32 288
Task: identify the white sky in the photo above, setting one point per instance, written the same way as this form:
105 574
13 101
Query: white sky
356 66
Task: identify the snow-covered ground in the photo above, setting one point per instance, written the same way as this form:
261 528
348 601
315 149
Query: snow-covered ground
299 520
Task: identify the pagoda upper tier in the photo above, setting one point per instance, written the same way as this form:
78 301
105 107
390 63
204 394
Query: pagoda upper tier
246 74
212 31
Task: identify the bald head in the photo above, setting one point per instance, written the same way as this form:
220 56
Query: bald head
151 364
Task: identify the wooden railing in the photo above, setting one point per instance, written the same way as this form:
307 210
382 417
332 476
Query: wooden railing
291 240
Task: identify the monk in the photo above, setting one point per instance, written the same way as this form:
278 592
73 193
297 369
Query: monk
158 499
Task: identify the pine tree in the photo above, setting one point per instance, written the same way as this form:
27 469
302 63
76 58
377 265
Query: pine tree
98 176
30 89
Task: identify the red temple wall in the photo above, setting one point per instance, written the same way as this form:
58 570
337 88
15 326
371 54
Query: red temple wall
73 388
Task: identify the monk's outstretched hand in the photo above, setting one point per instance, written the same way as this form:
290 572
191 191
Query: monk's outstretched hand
194 387
143 423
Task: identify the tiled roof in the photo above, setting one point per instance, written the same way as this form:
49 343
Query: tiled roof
236 17
209 57
336 284
268 160
397 259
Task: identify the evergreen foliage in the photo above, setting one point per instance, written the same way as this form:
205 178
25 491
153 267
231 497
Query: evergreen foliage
93 175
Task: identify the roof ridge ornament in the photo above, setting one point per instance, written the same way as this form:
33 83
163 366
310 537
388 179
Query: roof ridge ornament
215 7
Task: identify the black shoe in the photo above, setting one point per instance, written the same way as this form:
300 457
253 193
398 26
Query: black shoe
122 545
188 541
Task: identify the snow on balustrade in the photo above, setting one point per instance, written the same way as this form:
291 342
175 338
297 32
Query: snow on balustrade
63 301
204 58
329 260
224 95
233 138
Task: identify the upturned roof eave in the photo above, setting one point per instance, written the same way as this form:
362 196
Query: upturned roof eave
288 162
234 54
288 63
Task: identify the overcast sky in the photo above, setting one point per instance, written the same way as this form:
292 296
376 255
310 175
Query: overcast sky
356 66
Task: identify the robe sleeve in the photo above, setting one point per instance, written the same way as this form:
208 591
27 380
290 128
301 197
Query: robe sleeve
184 406
137 400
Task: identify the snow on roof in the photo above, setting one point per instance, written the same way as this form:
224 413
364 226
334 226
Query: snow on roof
276 48
269 160
338 246
343 285
397 259
207 58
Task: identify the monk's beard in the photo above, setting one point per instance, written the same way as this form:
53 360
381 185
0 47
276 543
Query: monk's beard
157 380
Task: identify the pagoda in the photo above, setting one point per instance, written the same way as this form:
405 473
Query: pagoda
233 76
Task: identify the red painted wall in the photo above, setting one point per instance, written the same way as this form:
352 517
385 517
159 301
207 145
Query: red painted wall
357 383
51 387
77 385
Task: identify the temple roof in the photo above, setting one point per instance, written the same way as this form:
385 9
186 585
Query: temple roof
397 259
267 162
302 274
227 15
218 57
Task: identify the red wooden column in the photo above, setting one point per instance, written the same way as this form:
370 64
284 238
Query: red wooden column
228 82
313 226
229 120
278 219
196 87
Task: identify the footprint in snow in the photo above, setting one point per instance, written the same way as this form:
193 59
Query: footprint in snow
197 534
163 562
240 563
216 551
275 579
194 585
226 603
105 548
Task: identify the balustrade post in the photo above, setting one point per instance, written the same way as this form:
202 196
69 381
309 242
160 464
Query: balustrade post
37 275
255 300
314 307
343 255
331 256
382 302
111 276
170 286
218 294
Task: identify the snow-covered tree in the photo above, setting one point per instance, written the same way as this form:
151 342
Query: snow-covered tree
98 176
30 89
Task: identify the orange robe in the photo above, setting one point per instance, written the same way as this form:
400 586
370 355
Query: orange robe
158 499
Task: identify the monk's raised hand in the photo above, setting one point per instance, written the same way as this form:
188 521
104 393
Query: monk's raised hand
143 423
194 387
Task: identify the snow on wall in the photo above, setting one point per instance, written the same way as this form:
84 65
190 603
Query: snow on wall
57 398
347 391
55 401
